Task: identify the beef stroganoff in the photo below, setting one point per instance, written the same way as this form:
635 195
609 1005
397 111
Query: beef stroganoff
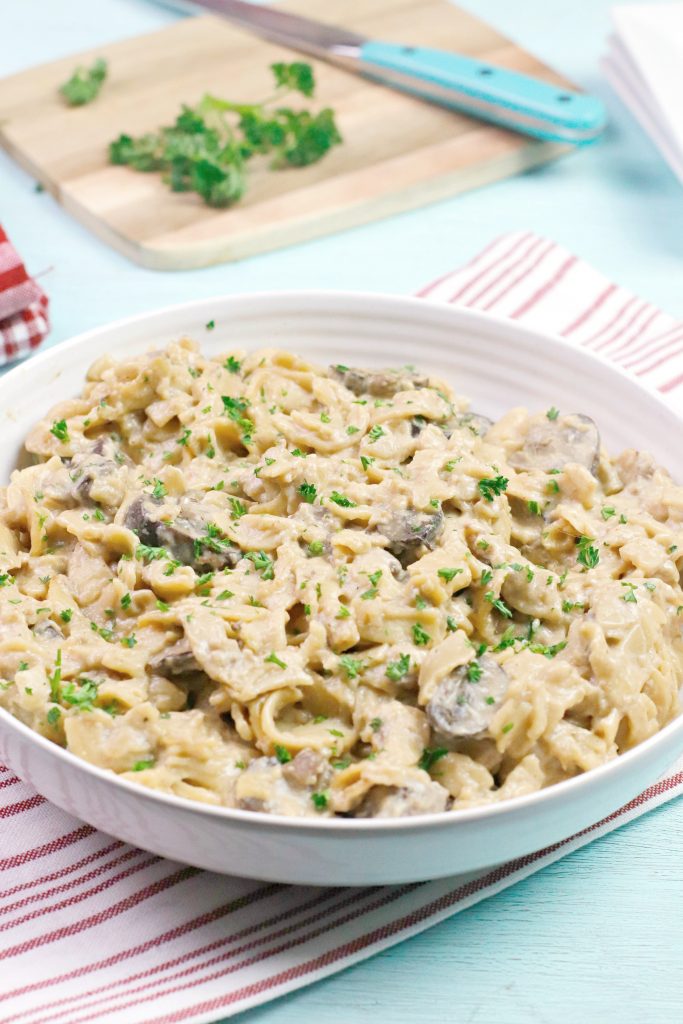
260 584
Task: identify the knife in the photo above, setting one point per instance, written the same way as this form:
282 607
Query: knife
482 90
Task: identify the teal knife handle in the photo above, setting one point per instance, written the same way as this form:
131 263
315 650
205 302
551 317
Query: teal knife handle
487 91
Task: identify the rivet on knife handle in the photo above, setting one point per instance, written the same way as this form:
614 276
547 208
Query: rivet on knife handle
487 91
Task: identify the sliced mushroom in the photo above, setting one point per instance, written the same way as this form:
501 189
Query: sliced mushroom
308 768
551 444
178 660
410 531
264 786
380 383
403 801
103 459
185 537
47 630
417 425
463 705
475 422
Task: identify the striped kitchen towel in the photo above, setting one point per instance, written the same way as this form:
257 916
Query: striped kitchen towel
95 930
23 306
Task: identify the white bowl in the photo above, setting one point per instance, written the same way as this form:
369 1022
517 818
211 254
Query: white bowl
498 364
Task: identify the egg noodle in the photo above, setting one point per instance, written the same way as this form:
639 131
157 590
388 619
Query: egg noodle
256 583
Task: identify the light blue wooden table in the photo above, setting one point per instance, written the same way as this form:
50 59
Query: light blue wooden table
598 937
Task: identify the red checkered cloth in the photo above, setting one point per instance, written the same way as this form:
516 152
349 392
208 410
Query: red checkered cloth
24 320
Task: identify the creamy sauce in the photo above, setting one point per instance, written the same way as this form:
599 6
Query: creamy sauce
256 583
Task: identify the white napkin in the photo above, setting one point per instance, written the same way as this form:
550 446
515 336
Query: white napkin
644 66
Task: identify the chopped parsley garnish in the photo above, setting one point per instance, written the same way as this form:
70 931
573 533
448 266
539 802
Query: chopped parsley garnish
53 716
607 511
162 606
129 641
553 413
342 500
376 724
160 490
238 508
315 548
60 430
224 595
55 679
232 365
147 553
352 430
140 766
308 492
184 437
235 408
398 669
263 563
352 666
534 508
299 454
366 460
343 612
498 604
429 757
282 754
451 624
508 727
82 697
213 539
66 615
474 671
587 555
420 636
448 574
492 486
126 600
210 325
85 84
548 651
630 595
319 801
375 433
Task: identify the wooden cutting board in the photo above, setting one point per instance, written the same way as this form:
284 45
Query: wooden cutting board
398 152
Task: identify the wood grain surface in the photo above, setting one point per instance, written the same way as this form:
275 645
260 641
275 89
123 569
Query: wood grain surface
398 153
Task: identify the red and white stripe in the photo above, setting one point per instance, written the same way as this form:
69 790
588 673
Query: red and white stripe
536 282
94 930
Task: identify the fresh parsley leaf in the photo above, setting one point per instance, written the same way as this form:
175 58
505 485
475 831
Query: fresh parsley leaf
282 754
308 492
60 430
85 84
587 555
429 757
342 500
398 669
420 636
492 486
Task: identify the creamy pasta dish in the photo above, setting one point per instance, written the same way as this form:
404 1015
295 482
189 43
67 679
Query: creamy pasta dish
267 585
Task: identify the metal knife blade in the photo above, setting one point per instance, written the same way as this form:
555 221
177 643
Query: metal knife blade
292 30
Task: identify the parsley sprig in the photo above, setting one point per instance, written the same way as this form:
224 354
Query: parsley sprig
209 146
85 84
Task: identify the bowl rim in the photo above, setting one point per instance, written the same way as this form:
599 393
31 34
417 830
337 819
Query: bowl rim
479 814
